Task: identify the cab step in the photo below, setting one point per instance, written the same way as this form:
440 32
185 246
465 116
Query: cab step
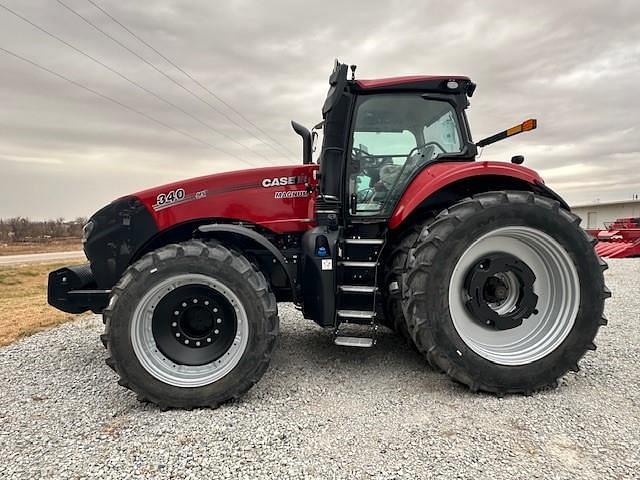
361 314
363 241
362 342
348 263
357 289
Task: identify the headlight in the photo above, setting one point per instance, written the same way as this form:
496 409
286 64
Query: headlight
86 230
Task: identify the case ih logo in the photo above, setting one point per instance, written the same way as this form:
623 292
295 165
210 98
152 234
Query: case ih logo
282 181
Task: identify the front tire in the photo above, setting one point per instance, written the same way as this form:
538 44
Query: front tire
190 325
520 326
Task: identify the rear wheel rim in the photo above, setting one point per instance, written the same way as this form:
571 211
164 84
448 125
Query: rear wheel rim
154 353
556 285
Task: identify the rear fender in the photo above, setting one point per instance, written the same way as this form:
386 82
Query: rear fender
442 184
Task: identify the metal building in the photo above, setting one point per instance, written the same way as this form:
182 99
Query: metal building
595 215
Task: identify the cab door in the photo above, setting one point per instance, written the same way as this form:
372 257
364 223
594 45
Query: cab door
393 137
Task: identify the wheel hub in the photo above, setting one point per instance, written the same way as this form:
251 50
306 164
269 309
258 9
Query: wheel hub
193 325
196 322
495 290
500 292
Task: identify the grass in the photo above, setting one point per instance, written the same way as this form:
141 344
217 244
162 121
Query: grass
23 301
20 248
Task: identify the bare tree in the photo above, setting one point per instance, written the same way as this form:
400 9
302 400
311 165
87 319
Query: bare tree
21 229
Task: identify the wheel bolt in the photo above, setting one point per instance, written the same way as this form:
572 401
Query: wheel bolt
215 310
177 334
186 342
219 320
184 304
195 300
197 344
216 331
209 340
176 313
174 324
206 302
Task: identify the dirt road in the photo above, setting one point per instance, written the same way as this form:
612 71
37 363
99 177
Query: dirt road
40 257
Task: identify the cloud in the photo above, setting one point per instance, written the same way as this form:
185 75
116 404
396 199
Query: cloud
66 152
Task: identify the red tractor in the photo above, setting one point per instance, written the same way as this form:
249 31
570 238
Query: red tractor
478 265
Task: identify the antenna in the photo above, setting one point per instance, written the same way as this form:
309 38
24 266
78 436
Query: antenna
353 72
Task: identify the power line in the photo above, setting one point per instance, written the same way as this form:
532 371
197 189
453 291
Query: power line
117 102
164 74
188 75
124 77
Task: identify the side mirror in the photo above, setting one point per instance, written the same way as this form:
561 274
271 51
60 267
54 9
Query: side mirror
306 141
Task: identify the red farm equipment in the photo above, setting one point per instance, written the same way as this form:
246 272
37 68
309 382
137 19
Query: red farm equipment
619 239
479 265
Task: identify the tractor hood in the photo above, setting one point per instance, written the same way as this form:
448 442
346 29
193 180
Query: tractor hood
274 197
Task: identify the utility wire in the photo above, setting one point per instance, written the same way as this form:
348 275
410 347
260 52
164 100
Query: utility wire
127 79
117 102
161 72
188 75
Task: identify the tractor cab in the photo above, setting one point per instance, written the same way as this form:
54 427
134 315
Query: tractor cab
378 135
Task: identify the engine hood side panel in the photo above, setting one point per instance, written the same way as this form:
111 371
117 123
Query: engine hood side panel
274 197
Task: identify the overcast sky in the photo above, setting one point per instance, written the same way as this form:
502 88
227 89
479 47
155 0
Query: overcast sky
66 152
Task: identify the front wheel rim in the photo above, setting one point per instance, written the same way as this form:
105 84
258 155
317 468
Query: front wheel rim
163 368
556 285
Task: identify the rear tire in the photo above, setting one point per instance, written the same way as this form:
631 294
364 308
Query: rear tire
190 325
567 295
394 268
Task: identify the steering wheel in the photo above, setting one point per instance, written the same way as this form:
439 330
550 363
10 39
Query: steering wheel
425 145
369 165
366 160
360 154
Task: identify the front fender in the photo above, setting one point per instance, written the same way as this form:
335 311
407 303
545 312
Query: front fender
437 176
218 229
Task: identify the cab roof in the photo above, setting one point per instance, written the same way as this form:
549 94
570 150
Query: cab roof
390 81
417 82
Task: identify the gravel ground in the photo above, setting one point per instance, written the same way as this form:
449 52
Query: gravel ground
323 411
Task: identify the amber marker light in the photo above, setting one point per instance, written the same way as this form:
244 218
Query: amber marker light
525 126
